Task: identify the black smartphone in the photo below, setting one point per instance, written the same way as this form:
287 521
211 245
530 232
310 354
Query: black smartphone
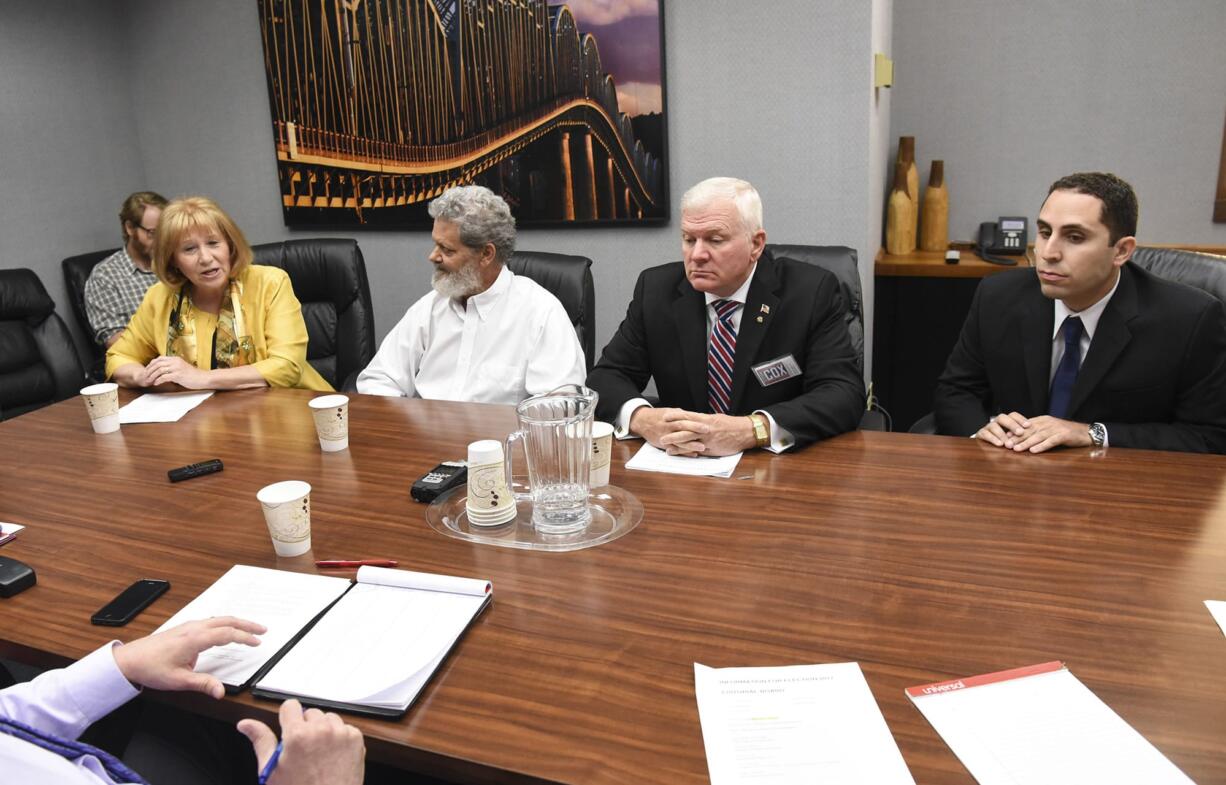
130 602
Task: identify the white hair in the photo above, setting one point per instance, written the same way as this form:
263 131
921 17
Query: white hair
481 214
727 189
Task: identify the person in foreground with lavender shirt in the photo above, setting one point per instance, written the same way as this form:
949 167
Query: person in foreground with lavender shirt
40 720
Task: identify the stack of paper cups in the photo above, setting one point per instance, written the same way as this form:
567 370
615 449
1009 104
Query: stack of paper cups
602 453
490 501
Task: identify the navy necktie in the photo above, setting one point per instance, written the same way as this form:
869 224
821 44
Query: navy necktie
1066 373
71 750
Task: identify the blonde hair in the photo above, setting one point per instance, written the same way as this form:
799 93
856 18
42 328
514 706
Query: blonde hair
182 216
727 189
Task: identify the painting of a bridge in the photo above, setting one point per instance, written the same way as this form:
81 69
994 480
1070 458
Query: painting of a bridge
378 106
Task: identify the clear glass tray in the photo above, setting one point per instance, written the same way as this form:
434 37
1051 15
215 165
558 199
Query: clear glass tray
614 513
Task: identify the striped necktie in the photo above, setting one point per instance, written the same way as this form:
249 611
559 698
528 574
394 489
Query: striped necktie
720 356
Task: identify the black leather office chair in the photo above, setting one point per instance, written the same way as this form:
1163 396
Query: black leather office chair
841 261
76 273
38 361
329 278
1204 271
569 278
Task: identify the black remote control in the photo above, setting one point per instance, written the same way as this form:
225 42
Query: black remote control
194 470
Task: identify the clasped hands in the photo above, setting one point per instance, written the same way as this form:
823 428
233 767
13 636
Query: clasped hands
1014 432
168 370
680 432
318 748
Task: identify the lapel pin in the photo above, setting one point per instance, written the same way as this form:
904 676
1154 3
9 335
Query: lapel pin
765 309
759 320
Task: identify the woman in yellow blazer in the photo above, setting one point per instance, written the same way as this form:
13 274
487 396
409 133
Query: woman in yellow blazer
213 321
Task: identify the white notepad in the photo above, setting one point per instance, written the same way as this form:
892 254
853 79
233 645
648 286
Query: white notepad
653 459
1039 725
379 645
284 602
795 724
161 407
367 646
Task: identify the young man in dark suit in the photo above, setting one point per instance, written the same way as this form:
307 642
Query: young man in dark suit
1086 349
746 350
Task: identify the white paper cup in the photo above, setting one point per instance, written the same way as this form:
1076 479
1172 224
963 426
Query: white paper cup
102 403
490 502
331 421
287 511
602 453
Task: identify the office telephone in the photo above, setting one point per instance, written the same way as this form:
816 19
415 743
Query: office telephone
1008 236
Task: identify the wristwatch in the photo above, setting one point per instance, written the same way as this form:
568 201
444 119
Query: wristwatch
1098 434
761 429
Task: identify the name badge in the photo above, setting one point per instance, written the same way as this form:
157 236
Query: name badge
775 371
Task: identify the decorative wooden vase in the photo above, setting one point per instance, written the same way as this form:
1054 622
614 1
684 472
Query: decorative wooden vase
934 215
906 154
900 215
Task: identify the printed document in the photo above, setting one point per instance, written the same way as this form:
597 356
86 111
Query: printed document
1039 725
1218 609
161 407
794 724
284 602
651 459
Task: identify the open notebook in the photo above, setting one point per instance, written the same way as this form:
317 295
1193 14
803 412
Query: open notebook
367 646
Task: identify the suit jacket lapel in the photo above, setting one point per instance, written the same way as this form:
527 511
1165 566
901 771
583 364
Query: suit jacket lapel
763 290
1034 334
690 314
1110 338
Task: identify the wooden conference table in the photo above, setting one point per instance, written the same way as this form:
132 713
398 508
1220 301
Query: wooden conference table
920 557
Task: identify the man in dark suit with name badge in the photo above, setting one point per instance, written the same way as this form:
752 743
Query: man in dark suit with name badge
1086 349
746 350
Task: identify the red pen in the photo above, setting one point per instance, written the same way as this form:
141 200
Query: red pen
357 563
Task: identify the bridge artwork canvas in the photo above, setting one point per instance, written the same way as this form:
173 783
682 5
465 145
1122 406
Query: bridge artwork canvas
378 106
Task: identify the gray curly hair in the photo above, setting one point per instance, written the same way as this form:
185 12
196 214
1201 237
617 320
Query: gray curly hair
481 214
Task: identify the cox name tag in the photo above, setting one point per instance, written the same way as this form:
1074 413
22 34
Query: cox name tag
775 371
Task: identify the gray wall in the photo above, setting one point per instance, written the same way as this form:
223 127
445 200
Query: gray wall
68 151
778 99
1013 96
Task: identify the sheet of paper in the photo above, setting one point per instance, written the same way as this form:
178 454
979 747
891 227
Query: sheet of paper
378 646
161 407
796 723
1218 609
8 531
650 459
282 601
1040 725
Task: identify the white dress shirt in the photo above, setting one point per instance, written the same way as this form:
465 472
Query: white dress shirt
505 344
781 438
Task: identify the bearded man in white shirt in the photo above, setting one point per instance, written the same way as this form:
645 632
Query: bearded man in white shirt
484 334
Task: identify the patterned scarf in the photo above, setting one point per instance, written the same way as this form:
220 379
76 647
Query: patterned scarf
232 346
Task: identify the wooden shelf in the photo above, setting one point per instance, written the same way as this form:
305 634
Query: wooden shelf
931 264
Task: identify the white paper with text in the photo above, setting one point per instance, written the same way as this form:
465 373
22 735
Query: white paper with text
795 724
284 602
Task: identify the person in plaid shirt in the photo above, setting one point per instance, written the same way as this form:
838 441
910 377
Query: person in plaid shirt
118 284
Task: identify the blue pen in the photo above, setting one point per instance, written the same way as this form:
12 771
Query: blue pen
271 765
